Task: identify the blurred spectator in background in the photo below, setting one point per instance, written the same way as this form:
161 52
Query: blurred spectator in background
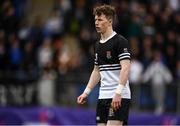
45 54
55 24
135 79
9 20
2 50
69 55
158 75
135 74
178 70
15 52
36 34
146 51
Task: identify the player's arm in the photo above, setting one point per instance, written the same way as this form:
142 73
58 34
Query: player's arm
124 59
124 73
93 81
123 77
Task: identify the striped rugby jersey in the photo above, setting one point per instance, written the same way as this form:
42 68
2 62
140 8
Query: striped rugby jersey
108 55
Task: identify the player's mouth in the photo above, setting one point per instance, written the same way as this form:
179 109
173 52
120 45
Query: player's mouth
97 28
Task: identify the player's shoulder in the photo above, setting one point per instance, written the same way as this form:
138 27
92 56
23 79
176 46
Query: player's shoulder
121 39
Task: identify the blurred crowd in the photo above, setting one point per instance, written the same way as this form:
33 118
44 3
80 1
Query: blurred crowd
65 41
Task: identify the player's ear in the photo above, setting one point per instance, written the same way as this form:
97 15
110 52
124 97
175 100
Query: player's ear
110 20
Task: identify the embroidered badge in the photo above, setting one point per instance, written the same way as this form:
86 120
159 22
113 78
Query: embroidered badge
108 54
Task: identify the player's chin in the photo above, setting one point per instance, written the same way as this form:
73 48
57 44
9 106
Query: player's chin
98 31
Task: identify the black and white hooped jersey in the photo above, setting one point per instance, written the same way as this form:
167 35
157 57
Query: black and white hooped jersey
108 55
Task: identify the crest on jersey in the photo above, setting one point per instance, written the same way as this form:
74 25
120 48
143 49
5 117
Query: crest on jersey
108 54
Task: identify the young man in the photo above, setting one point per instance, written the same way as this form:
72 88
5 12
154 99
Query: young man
112 64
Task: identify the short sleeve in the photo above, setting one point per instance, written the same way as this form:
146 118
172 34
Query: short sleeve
123 49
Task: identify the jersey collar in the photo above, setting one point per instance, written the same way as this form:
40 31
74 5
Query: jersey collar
105 40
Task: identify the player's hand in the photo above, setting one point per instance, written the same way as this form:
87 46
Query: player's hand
116 102
82 98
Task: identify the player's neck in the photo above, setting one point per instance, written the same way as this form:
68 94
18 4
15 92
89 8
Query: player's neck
109 37
108 33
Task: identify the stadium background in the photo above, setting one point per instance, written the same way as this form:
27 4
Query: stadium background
46 57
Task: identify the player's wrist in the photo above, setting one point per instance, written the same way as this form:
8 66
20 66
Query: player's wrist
119 89
87 91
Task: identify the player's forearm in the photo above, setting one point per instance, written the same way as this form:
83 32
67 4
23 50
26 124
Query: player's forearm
93 81
123 77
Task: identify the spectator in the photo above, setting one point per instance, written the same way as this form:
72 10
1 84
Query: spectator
54 24
178 70
2 50
69 56
146 51
45 54
158 75
135 81
9 20
15 52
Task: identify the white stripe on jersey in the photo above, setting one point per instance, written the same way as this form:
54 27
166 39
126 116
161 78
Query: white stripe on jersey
124 57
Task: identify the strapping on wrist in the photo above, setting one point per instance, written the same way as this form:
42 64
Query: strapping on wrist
87 90
119 89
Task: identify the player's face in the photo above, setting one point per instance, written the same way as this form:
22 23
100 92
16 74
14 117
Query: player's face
102 23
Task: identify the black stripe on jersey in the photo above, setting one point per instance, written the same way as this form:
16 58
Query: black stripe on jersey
110 69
